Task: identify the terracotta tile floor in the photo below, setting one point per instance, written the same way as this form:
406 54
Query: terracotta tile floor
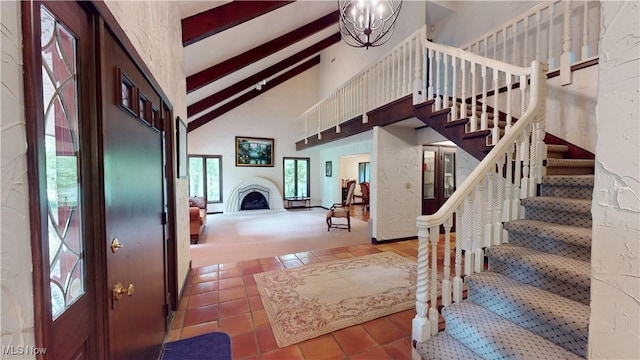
225 298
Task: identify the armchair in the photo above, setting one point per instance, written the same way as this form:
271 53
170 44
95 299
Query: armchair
197 217
341 210
364 188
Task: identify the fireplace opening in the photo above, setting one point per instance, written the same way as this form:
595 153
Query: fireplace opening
254 201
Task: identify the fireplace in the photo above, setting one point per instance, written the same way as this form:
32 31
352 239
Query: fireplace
255 195
254 201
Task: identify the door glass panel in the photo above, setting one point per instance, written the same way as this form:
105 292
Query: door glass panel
429 176
449 173
64 203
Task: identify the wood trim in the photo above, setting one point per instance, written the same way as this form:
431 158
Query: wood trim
387 114
252 94
213 73
251 81
112 25
207 23
34 124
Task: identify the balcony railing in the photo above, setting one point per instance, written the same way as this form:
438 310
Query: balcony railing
393 76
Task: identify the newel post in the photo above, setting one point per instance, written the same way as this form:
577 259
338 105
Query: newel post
420 326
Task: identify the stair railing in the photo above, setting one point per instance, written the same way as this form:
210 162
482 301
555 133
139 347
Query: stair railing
490 194
393 76
559 33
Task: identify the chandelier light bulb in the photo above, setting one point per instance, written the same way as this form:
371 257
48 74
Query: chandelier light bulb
368 23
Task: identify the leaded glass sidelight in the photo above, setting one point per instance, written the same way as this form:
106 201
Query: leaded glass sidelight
61 142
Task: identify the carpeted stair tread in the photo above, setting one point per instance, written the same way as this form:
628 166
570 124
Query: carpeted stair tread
565 240
568 186
494 337
569 180
445 347
582 206
568 211
578 163
557 151
558 274
555 318
557 166
558 267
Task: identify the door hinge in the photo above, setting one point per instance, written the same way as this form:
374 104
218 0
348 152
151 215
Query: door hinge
165 309
164 218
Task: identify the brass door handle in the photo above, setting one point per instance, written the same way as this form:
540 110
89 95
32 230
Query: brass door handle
115 245
119 290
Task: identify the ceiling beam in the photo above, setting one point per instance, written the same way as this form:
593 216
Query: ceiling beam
235 63
251 81
192 125
221 18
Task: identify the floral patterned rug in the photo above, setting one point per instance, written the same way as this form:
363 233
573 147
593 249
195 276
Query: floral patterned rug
309 301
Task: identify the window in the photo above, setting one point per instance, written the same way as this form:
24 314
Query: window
205 177
62 147
296 177
364 170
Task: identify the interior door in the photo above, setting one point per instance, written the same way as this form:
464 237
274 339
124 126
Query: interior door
430 183
438 177
134 208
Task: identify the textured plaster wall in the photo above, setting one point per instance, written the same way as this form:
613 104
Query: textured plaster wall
395 182
614 326
155 30
16 297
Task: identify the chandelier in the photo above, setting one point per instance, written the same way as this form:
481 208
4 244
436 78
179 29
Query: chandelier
368 23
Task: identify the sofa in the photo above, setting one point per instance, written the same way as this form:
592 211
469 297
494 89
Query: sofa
197 217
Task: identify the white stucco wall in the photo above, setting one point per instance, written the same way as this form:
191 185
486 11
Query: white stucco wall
155 30
614 325
16 282
396 179
270 115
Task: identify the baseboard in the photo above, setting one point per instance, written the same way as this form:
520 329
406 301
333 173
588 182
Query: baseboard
377 242
181 291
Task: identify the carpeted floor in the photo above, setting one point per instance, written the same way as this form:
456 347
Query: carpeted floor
228 239
306 302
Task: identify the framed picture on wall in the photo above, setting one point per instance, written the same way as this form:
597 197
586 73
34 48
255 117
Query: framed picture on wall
328 169
181 146
252 151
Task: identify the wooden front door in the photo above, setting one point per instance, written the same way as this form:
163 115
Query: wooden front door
134 208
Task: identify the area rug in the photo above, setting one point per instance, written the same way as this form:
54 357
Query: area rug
212 346
313 300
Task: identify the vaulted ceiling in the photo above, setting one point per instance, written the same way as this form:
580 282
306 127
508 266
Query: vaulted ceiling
235 51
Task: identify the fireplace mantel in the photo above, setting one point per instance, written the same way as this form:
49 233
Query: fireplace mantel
264 186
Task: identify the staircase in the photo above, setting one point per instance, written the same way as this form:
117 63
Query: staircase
533 302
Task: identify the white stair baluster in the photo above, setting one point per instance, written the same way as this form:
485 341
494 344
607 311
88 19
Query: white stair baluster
446 277
434 235
421 328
